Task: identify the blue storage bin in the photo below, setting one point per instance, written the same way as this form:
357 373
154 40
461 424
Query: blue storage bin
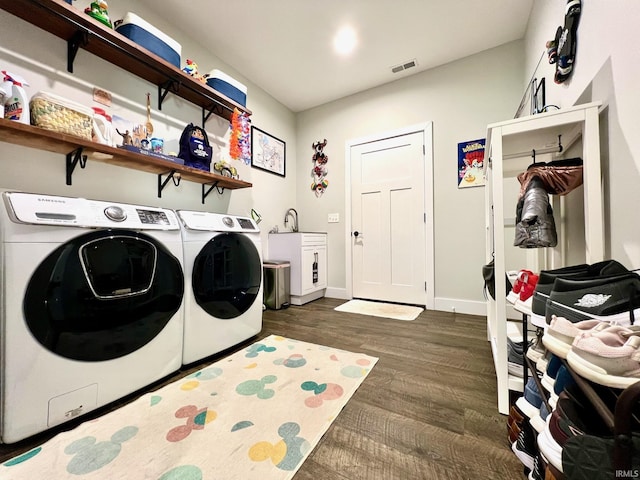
228 86
146 35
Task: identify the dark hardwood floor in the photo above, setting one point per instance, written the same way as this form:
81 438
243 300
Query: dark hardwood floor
426 411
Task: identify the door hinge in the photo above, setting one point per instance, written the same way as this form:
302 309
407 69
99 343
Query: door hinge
425 286
425 217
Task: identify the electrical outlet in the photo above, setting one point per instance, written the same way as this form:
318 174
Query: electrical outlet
333 218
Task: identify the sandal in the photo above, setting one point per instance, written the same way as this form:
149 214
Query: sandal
566 45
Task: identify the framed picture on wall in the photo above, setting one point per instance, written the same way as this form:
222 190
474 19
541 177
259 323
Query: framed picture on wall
268 152
471 163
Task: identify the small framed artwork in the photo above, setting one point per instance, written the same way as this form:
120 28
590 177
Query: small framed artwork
471 163
267 152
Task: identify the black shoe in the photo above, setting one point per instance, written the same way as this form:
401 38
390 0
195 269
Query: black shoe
537 472
526 447
613 298
547 277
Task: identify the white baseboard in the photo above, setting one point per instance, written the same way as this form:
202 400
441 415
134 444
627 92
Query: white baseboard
455 305
471 307
333 292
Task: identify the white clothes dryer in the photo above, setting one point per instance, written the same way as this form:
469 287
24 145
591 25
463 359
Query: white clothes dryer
91 306
223 282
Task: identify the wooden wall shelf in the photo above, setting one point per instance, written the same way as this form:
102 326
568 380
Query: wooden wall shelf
41 139
81 31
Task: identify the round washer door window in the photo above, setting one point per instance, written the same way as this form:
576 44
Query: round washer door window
103 295
226 275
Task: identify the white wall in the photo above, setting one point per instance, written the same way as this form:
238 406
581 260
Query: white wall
607 69
40 58
460 98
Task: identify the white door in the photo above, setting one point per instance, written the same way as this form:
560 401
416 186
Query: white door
388 219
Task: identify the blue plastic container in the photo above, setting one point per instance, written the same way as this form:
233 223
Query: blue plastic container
146 35
228 86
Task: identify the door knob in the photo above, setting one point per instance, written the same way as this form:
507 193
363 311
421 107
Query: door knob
356 233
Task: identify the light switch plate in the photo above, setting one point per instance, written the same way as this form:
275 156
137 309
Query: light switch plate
333 218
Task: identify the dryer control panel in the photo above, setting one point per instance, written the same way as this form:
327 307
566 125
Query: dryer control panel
39 209
216 222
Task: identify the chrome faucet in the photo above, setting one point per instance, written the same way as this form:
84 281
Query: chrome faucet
291 213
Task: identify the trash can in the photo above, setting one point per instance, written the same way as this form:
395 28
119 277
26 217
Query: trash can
277 291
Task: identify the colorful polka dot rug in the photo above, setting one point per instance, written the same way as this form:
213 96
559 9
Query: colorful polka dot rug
257 413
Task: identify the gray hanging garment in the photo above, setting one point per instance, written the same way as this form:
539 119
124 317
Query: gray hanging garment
535 226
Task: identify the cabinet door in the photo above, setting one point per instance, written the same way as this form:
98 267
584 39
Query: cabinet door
314 267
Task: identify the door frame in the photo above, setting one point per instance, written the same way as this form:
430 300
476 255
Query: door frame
426 129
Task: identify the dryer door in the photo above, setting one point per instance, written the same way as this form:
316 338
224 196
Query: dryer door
226 275
103 295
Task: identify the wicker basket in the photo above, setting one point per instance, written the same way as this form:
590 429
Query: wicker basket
60 115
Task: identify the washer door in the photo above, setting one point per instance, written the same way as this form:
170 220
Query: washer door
226 275
103 295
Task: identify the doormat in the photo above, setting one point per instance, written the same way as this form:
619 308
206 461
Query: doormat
255 414
379 309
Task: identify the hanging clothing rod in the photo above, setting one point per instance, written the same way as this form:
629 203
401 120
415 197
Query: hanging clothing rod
534 152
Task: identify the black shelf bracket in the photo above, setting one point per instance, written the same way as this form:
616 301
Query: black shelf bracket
216 109
206 191
80 38
165 88
73 158
173 175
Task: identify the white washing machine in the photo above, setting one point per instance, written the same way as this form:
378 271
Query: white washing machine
223 282
91 306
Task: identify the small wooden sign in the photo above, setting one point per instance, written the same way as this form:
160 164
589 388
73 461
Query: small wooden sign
102 96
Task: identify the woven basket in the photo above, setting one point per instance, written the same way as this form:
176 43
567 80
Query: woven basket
60 115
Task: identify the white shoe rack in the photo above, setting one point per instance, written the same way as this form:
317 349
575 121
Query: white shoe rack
511 147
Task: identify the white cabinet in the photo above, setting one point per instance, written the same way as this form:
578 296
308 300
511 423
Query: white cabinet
509 148
313 271
307 254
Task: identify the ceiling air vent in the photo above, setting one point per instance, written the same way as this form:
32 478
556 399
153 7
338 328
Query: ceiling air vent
404 66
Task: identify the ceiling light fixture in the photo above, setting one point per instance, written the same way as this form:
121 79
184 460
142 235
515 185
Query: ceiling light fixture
345 40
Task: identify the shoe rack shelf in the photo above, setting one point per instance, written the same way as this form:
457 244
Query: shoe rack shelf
509 148
620 422
81 31
68 145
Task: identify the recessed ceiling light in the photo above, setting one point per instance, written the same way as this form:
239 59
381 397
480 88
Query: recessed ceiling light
345 40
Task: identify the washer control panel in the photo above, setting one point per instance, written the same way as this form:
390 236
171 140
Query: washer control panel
81 212
153 217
